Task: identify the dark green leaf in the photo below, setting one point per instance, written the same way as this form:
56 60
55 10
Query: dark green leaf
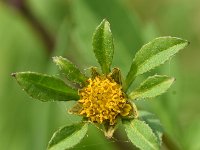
70 70
44 87
141 135
154 123
152 87
68 136
154 54
103 46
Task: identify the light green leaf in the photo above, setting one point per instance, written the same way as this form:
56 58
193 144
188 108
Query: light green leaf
141 135
103 46
152 87
154 123
154 54
70 70
68 136
44 87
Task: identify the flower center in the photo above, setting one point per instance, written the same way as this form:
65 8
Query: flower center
102 100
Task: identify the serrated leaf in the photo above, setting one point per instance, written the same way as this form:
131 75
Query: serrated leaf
154 123
103 46
152 87
70 70
154 54
44 87
141 135
68 136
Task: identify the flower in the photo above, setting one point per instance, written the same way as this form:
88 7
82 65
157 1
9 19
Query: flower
103 100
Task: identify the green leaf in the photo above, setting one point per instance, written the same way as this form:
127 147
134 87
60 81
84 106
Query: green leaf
44 87
152 87
70 70
154 54
68 136
141 135
103 46
154 123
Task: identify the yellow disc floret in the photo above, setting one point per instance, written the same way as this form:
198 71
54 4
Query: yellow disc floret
103 100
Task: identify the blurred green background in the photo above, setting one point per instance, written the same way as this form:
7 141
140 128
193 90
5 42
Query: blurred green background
32 31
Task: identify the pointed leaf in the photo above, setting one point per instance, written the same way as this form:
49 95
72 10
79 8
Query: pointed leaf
152 87
103 46
68 136
70 70
141 135
44 87
154 123
154 54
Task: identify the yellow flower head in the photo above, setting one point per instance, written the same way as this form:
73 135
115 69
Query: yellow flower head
103 100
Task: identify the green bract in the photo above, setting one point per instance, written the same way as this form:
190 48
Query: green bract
44 87
141 134
68 136
145 131
154 54
103 46
71 72
151 87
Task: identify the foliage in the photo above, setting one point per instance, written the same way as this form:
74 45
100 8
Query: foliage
68 136
151 55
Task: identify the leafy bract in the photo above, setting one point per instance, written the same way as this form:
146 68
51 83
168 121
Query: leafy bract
103 46
70 70
68 136
44 87
152 87
141 135
154 54
154 123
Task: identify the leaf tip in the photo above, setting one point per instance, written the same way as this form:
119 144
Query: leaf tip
184 42
172 79
105 23
105 20
188 42
55 59
13 74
